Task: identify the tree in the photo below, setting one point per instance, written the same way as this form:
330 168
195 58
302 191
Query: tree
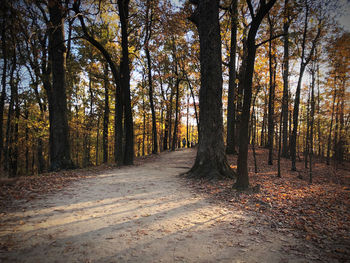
4 71
122 85
149 22
272 85
59 131
304 61
105 115
123 6
286 25
231 107
312 113
211 162
246 85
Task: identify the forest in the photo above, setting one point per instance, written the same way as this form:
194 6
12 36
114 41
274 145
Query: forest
86 83
246 100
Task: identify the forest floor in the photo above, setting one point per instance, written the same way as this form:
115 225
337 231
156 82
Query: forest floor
147 213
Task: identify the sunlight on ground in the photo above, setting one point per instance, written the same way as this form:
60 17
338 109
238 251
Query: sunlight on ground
134 215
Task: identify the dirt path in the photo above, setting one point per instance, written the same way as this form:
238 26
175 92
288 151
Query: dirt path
138 214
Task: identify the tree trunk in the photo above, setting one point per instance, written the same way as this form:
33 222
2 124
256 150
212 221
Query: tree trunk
286 25
150 81
194 101
97 140
320 142
26 132
41 159
59 134
119 109
128 158
187 116
253 137
3 84
342 141
279 147
303 64
9 122
170 113
13 123
144 123
306 148
173 145
13 171
335 139
248 69
211 159
105 117
312 113
231 107
263 126
331 125
272 70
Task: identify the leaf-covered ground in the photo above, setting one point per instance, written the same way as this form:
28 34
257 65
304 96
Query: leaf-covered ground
317 212
30 187
140 214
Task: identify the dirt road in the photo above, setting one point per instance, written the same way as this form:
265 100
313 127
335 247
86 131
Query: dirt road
138 214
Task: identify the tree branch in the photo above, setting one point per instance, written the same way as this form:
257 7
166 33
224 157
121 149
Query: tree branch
272 38
95 43
225 63
251 10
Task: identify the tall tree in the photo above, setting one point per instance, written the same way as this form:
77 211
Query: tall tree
272 87
286 25
312 113
149 23
231 107
118 143
246 85
123 6
304 61
105 116
59 132
211 160
4 71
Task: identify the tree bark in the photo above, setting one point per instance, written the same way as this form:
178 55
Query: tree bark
150 81
174 142
59 134
211 159
231 107
187 127
331 124
128 158
105 116
248 69
3 84
272 70
286 25
304 62
10 165
263 126
312 113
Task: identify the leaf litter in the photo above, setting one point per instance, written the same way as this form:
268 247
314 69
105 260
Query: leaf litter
319 212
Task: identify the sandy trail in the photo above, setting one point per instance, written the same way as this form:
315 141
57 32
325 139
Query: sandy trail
137 214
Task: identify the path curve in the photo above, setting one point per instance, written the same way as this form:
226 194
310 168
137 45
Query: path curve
137 214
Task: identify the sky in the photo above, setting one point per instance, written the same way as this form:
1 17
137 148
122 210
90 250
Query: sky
343 12
344 18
